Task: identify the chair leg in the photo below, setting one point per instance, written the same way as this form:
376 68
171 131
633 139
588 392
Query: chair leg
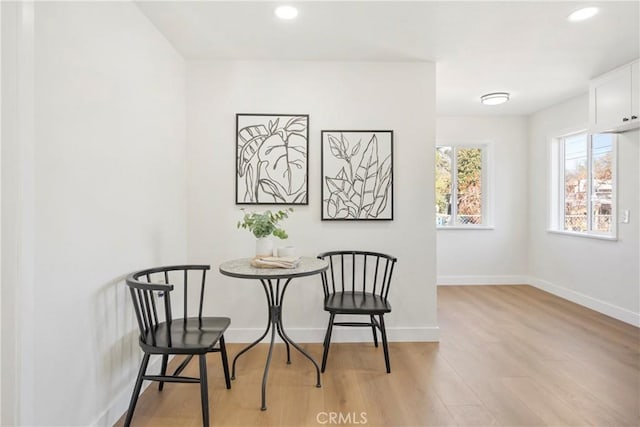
385 347
326 334
204 390
163 370
373 328
225 363
327 342
136 389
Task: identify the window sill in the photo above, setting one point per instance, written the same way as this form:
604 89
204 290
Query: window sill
465 227
585 235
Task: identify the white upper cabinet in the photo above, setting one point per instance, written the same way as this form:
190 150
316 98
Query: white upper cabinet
613 100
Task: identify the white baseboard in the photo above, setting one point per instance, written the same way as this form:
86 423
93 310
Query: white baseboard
482 280
120 405
619 313
340 334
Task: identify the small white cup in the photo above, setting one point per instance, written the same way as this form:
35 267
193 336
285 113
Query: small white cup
287 251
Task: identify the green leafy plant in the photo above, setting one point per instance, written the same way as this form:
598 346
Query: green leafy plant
265 224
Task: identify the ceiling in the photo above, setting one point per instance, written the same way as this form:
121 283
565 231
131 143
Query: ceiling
526 48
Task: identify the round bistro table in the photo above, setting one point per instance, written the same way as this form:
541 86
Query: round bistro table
274 291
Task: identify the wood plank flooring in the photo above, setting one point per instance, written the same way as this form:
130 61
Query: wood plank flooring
509 356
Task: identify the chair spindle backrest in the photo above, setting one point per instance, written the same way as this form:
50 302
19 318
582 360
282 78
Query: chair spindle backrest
144 294
343 274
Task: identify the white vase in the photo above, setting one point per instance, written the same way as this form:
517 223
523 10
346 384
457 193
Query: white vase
264 246
287 252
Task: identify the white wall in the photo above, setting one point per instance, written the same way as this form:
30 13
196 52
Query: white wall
600 274
1 352
104 191
496 255
17 206
336 95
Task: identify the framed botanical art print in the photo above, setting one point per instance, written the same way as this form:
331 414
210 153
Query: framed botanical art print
272 164
357 175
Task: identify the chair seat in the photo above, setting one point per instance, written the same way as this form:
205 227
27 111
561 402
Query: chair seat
356 303
188 336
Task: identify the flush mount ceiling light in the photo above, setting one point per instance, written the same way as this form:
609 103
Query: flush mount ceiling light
286 12
494 98
582 14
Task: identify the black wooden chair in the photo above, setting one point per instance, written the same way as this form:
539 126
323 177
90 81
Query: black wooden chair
357 283
175 335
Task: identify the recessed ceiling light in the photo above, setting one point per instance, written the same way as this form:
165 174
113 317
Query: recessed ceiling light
494 98
582 14
286 12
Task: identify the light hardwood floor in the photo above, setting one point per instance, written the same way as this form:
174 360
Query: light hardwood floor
508 355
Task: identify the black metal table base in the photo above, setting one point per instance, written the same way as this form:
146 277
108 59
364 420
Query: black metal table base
274 324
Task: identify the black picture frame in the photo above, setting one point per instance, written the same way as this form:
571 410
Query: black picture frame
272 162
357 175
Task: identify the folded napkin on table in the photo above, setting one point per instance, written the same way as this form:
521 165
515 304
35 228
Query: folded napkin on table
275 262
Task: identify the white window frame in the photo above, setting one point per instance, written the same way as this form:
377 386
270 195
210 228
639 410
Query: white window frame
557 214
487 186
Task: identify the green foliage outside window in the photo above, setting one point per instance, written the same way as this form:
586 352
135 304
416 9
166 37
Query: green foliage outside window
467 179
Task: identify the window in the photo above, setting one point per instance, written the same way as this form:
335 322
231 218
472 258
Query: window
461 186
585 184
